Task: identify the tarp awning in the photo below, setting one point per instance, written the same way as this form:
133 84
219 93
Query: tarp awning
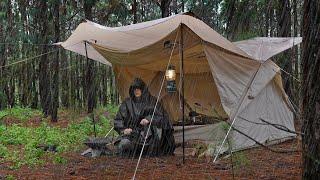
263 48
131 38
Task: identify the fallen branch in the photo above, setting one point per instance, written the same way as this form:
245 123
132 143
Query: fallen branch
281 127
278 126
266 147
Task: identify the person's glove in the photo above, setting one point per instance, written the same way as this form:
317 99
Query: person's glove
127 131
144 122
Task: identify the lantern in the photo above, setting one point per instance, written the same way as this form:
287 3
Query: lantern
171 79
193 116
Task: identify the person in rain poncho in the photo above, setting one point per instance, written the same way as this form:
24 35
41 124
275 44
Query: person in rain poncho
133 119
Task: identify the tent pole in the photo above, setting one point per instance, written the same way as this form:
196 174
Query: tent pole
182 89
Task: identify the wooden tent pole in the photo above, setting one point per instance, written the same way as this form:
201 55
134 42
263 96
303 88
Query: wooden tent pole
182 89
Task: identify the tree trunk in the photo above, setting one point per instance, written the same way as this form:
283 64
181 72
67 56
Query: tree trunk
273 25
55 65
284 30
35 92
111 87
9 85
44 74
231 8
268 17
134 11
175 6
296 85
164 6
73 83
311 89
105 98
182 5
65 89
26 74
3 99
90 80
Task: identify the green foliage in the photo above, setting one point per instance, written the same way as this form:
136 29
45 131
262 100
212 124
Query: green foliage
10 177
15 135
25 142
240 161
59 160
20 113
224 126
3 151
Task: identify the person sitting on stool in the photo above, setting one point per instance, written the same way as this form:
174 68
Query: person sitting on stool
133 119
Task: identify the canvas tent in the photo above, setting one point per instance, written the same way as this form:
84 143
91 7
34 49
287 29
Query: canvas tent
231 81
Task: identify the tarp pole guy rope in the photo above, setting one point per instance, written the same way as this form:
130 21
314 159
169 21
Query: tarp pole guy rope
29 58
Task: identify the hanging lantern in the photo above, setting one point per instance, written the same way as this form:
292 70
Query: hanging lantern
171 79
193 116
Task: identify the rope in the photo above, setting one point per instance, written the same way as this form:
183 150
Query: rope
33 57
32 44
144 143
290 75
29 58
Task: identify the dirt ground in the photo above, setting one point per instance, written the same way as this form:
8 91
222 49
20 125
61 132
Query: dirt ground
259 164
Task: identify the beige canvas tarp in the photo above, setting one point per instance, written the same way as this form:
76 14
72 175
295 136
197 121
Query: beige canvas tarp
222 79
263 48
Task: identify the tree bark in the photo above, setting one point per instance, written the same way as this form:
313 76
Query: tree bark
311 89
35 92
268 17
90 80
55 65
65 89
3 100
105 97
73 83
134 11
284 30
26 74
164 6
44 74
175 6
296 85
9 85
231 8
182 5
111 87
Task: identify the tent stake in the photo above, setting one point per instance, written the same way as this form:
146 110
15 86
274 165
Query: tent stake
182 89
